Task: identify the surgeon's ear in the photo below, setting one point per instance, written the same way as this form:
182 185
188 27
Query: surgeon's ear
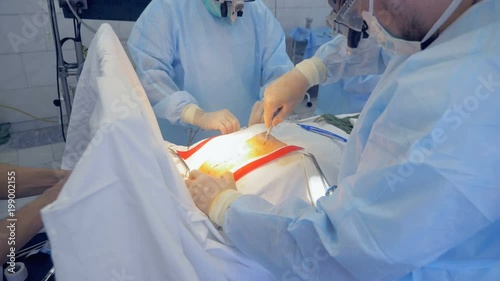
384 17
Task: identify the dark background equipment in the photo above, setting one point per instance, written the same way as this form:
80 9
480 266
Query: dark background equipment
123 10
119 10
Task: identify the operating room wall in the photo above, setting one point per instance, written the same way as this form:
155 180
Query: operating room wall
27 57
293 13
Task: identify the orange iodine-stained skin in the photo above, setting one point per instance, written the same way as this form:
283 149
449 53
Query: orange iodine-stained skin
252 148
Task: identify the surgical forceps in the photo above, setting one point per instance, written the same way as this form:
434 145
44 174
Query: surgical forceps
328 189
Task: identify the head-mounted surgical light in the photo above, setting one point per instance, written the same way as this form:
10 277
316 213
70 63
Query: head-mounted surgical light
226 8
346 20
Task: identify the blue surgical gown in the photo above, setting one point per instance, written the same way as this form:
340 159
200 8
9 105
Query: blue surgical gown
348 91
183 54
419 189
348 95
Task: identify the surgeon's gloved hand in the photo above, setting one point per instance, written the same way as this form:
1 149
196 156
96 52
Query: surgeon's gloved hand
222 120
283 95
206 189
257 115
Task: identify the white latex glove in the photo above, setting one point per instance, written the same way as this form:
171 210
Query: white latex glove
283 95
257 115
204 188
222 120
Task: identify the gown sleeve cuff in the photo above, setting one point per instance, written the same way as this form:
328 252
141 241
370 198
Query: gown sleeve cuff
220 204
313 69
189 112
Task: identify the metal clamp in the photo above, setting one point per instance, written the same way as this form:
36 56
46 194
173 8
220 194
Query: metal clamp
184 164
326 186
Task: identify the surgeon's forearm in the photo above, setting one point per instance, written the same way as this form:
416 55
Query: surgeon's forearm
28 222
27 181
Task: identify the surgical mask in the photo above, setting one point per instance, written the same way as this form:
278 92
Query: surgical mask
213 7
401 46
225 8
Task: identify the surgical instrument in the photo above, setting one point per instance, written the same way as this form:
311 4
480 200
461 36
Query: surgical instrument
327 188
49 274
176 155
267 133
322 132
271 126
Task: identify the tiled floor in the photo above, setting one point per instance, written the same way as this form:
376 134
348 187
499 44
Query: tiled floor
42 147
45 156
36 137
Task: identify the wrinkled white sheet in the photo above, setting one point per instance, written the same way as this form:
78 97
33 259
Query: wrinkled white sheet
125 213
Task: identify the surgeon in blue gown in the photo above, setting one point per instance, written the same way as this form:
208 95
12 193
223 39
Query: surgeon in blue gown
418 192
203 72
347 92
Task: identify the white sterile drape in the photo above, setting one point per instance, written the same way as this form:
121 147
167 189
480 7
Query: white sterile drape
125 212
